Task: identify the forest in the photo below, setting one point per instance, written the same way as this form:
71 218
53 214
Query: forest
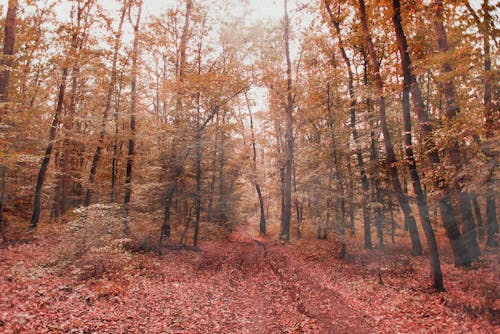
279 166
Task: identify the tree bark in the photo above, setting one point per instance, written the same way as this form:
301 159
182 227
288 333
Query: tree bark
437 276
288 163
262 220
48 151
107 108
116 146
359 153
492 119
7 60
133 107
453 153
390 154
8 48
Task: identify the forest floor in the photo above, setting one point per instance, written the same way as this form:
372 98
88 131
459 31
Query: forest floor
55 283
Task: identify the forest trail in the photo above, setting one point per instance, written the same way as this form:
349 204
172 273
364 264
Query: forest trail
321 308
244 284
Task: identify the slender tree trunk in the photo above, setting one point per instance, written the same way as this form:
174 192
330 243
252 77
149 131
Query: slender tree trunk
479 218
198 153
133 107
492 119
288 163
48 151
340 182
116 150
198 183
6 60
2 192
214 172
437 276
351 197
359 153
107 108
65 177
8 48
221 205
262 220
453 153
391 156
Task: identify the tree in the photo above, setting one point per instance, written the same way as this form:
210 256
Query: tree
437 276
391 160
83 11
8 48
133 107
6 61
453 152
359 152
485 27
288 161
262 220
107 107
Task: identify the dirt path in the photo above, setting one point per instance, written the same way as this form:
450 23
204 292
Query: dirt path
324 310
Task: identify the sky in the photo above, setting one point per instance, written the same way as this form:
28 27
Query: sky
260 9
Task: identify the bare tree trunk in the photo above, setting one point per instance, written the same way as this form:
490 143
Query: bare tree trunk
453 153
214 170
479 218
340 182
492 120
107 108
359 153
288 163
8 48
390 154
48 151
437 276
262 220
6 60
133 107
116 147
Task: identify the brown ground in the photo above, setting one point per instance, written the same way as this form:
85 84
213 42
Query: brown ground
244 285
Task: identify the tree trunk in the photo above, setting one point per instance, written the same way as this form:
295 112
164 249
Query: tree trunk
107 108
479 218
221 205
437 276
390 154
8 49
453 153
288 163
133 107
335 160
262 220
491 118
48 151
359 153
116 147
7 60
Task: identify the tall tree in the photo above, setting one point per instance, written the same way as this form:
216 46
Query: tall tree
355 135
82 9
133 107
8 48
437 276
107 107
391 160
453 152
6 61
177 161
262 220
288 151
492 120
